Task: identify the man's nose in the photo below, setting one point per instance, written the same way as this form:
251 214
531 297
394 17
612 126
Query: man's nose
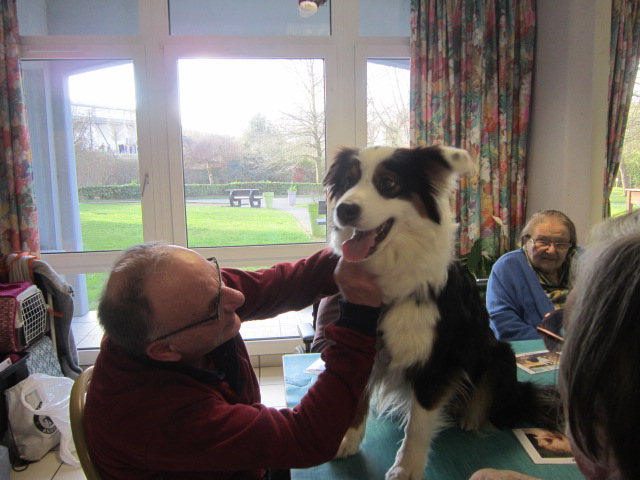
233 299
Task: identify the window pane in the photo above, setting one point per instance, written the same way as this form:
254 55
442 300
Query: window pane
87 332
252 124
77 17
388 102
82 124
246 17
384 18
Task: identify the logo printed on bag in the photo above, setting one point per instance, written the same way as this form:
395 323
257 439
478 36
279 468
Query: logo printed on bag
44 423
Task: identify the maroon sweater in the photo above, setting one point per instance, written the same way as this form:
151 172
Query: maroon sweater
150 419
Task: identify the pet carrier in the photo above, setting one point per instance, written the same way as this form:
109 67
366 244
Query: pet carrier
24 315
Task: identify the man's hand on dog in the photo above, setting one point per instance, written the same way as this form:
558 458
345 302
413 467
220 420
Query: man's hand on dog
357 285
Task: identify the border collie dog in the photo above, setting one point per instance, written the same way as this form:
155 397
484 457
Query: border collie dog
438 361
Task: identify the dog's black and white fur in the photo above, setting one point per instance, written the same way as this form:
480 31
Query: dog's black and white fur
437 357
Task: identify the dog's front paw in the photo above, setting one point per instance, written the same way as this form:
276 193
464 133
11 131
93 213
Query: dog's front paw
351 442
403 472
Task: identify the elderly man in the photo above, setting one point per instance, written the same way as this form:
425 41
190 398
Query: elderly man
173 393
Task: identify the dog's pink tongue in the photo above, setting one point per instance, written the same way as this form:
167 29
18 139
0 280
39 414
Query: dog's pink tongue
358 246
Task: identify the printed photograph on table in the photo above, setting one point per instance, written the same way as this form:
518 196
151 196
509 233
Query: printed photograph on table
538 362
544 446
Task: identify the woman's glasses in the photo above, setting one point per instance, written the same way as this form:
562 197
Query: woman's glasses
545 244
552 330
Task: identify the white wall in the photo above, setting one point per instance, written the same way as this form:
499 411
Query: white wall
568 129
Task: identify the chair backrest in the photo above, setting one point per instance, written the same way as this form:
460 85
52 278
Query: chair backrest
76 410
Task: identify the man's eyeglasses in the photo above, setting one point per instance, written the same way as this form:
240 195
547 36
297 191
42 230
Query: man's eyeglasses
559 246
552 330
215 317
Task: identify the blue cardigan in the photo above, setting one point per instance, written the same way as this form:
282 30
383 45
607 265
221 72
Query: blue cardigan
515 300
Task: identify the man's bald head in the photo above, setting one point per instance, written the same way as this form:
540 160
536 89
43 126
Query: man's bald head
125 311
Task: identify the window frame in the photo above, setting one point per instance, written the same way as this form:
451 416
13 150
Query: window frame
154 54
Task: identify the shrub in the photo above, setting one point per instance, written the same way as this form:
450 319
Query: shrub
195 190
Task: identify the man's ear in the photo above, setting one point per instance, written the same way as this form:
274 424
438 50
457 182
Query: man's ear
163 351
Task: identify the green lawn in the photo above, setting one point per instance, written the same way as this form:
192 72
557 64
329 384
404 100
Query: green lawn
618 196
619 202
94 281
114 226
110 226
209 226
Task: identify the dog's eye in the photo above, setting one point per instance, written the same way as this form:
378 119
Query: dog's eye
387 183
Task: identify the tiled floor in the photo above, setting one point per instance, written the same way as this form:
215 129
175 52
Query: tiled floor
50 468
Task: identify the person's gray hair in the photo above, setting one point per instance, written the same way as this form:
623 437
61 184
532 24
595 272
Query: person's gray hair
540 217
599 376
125 311
615 227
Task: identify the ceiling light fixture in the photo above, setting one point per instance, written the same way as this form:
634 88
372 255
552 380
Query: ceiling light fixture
309 7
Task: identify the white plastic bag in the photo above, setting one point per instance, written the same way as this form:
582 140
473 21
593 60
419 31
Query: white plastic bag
45 399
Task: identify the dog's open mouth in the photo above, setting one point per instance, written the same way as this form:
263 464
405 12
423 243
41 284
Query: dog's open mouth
363 243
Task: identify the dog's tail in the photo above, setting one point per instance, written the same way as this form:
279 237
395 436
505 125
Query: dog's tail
516 403
541 406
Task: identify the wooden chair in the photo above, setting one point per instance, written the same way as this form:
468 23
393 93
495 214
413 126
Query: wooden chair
76 409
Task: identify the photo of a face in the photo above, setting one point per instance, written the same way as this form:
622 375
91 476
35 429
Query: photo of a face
544 446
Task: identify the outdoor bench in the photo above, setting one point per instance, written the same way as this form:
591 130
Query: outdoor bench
253 195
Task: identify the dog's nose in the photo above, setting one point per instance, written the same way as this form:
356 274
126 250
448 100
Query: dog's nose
347 213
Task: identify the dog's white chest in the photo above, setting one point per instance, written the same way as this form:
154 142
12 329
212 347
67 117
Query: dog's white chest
408 332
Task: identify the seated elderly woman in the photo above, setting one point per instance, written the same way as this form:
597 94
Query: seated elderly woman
528 283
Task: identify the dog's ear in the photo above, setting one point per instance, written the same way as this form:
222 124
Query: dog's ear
459 159
442 164
334 179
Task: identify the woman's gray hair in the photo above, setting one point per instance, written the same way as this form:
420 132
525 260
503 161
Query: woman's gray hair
599 374
540 217
615 227
125 311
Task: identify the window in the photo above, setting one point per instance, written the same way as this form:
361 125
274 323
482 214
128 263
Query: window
239 133
73 17
388 102
627 186
248 17
143 124
91 175
384 18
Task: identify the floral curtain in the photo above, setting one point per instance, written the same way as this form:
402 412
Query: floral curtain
471 75
624 53
18 217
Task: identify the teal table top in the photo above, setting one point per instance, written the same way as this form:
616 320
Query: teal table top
455 454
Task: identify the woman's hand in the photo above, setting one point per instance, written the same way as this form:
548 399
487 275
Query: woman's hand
493 474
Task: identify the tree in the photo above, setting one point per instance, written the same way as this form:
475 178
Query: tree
630 162
83 124
305 125
267 149
212 152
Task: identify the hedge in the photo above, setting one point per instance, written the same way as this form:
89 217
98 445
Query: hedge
192 191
